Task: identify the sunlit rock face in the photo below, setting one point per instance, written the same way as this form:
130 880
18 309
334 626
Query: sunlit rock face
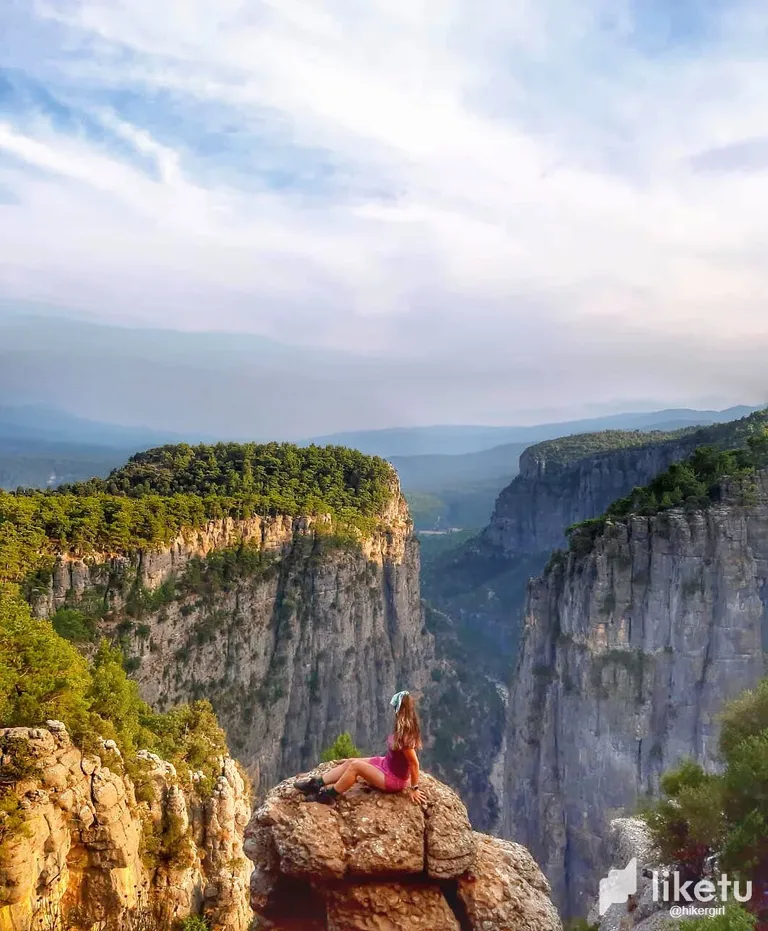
87 852
376 862
293 650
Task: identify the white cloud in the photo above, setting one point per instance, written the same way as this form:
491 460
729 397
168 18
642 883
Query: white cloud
479 160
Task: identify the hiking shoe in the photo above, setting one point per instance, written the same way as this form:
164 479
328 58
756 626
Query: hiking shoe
309 784
326 796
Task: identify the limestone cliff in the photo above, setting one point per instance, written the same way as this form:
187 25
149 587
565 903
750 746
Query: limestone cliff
93 847
482 585
378 862
293 634
534 511
566 481
632 643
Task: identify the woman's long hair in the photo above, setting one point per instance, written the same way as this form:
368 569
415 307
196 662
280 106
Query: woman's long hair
407 734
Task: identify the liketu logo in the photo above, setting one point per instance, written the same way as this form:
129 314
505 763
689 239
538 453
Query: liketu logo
618 886
667 887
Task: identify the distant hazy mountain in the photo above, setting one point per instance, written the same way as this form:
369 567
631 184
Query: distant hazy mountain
41 423
430 472
41 446
44 447
459 440
241 385
39 464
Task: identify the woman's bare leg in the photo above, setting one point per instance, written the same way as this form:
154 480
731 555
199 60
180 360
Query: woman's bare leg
354 768
333 775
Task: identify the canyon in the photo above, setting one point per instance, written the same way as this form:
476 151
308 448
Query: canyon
551 706
483 585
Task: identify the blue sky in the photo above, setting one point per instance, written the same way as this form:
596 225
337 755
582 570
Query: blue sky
552 188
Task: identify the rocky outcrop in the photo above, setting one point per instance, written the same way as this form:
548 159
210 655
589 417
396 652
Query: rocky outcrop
78 845
292 648
632 644
378 862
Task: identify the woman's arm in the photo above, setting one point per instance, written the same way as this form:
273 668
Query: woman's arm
414 771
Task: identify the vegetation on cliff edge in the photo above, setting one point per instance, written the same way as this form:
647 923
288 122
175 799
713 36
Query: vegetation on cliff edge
693 483
163 491
343 748
44 677
568 449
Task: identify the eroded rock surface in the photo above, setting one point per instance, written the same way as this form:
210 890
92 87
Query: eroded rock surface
84 847
378 862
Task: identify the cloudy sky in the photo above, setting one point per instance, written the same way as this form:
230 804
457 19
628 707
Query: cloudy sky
555 206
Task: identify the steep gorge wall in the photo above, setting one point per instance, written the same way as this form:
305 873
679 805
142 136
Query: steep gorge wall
534 511
631 646
306 643
483 584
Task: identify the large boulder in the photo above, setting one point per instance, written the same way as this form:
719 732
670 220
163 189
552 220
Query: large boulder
376 861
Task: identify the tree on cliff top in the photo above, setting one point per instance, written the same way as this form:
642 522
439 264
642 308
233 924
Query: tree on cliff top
333 476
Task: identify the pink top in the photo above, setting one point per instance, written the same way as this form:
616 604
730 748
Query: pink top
395 762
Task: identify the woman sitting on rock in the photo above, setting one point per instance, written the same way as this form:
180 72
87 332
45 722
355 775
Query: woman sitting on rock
396 771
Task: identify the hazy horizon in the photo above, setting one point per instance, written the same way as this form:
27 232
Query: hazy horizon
392 214
234 385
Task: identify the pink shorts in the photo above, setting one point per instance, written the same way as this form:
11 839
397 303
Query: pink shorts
392 783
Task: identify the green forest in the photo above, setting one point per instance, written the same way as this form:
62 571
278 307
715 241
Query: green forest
45 677
148 501
333 476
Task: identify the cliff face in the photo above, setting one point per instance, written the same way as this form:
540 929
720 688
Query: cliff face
483 584
533 513
88 851
631 646
301 639
377 862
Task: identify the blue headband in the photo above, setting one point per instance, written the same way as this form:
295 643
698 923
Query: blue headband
397 700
